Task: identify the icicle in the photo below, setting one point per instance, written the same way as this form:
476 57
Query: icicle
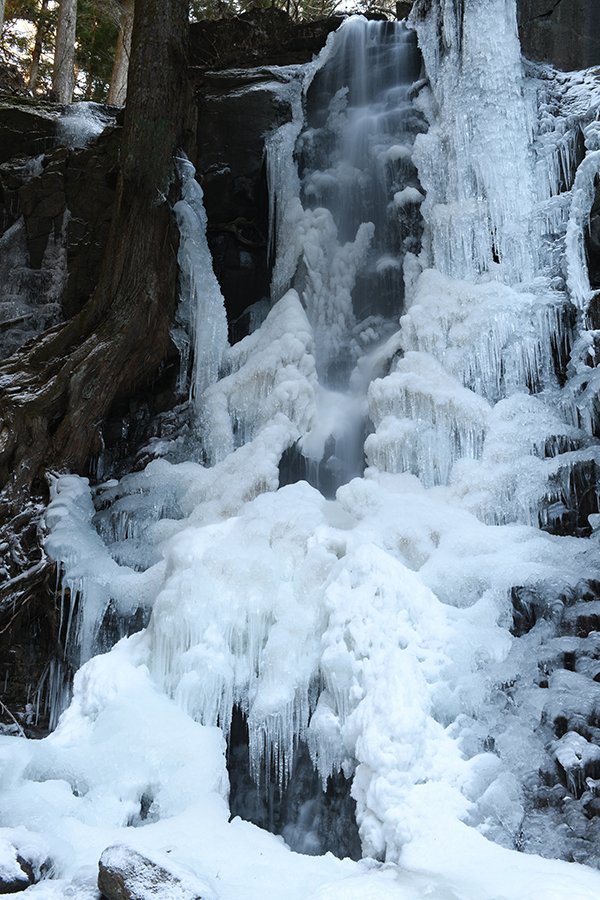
283 183
271 373
490 337
584 192
201 313
424 421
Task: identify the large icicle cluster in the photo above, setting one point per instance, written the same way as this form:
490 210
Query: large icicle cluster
474 162
270 372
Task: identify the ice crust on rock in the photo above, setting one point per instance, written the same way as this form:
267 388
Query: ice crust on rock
30 300
420 631
584 192
81 122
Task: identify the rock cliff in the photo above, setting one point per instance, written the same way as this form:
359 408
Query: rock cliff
565 33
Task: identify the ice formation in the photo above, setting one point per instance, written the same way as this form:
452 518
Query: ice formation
200 299
428 626
475 162
81 122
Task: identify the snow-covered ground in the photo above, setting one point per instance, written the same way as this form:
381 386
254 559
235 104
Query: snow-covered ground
123 738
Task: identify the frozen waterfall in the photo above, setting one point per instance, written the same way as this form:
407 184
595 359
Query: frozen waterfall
372 557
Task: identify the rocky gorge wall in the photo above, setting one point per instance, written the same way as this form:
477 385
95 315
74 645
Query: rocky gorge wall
565 33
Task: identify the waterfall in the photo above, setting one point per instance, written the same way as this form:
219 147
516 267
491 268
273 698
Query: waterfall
410 606
346 215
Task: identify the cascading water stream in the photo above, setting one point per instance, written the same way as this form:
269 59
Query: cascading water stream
344 224
411 631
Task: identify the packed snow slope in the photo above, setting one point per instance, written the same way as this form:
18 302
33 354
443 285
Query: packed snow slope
377 540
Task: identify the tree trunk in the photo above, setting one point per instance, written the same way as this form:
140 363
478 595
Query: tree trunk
118 81
55 391
2 3
40 34
63 78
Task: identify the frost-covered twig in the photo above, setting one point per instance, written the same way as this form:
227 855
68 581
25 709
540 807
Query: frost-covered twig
10 715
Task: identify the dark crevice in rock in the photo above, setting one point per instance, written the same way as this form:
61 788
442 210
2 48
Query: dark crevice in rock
592 248
546 15
311 819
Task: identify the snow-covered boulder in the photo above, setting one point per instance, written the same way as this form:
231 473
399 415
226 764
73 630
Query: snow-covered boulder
125 874
16 874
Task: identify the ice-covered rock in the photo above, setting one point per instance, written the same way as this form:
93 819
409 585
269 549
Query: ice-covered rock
81 122
15 873
23 859
125 874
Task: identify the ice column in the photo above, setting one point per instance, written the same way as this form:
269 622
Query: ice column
475 162
201 317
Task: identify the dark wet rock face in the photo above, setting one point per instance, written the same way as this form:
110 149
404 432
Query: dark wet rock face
27 127
257 38
562 32
311 817
27 649
55 213
237 109
90 184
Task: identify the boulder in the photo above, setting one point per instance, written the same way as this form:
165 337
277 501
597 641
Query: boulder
125 874
14 884
27 127
16 873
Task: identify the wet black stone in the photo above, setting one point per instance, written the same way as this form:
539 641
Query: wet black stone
562 32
